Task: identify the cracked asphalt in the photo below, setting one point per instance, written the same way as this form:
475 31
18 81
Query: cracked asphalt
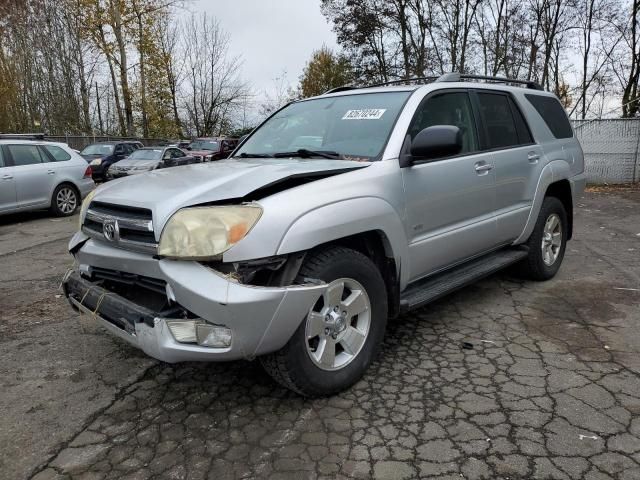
548 387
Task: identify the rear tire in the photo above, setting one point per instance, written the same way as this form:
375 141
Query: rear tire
65 200
335 344
547 242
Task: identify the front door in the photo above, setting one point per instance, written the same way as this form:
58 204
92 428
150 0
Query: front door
450 201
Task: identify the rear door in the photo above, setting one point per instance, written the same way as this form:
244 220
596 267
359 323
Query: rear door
516 158
7 185
450 201
34 179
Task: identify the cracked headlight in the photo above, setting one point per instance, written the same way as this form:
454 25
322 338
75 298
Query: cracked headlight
203 233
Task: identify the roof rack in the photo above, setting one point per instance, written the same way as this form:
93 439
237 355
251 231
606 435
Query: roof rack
458 77
22 136
447 77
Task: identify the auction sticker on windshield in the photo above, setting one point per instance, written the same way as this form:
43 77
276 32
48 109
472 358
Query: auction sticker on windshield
366 114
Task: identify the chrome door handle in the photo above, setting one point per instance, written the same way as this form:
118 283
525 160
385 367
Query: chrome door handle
7 177
483 167
51 172
533 157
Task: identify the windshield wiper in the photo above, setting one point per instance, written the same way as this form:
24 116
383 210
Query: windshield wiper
254 155
304 153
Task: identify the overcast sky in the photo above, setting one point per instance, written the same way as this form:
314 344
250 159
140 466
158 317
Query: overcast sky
271 36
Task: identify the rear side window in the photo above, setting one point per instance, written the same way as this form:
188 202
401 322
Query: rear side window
498 120
25 154
553 115
58 154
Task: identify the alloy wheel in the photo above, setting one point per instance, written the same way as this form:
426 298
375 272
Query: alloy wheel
338 325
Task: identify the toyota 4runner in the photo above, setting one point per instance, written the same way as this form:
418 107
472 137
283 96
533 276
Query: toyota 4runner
337 213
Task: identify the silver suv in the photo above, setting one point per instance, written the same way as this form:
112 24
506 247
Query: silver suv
36 175
338 212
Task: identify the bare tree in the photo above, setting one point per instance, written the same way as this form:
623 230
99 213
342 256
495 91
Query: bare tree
212 84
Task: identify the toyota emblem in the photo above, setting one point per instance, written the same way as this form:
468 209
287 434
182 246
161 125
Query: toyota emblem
110 229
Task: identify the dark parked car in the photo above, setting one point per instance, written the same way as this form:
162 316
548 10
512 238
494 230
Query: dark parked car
104 154
150 158
209 149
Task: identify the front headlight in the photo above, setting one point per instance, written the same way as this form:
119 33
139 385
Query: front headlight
85 206
202 233
96 161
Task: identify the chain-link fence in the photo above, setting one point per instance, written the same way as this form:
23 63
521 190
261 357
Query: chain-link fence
611 149
80 141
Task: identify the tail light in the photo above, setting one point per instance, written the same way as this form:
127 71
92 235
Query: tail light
87 172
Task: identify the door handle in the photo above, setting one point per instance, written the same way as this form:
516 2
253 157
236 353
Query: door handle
533 157
7 177
51 172
483 167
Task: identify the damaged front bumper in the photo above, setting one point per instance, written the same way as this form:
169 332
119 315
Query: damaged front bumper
260 320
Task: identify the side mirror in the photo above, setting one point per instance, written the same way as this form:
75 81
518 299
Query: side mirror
434 142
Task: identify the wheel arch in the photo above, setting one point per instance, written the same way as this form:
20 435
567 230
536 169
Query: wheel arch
562 191
553 181
65 182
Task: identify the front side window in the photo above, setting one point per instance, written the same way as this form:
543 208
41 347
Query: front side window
175 153
98 149
452 108
352 126
146 154
1 158
25 154
58 154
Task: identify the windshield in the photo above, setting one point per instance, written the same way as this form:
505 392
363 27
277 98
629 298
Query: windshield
354 126
144 154
204 145
97 149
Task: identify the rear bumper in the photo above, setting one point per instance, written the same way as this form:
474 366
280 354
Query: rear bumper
85 186
261 319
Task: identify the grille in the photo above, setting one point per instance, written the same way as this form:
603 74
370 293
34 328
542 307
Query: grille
131 279
132 227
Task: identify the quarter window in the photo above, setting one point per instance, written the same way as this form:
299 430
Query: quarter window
452 108
58 154
553 115
25 154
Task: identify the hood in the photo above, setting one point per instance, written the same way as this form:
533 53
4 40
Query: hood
148 164
165 191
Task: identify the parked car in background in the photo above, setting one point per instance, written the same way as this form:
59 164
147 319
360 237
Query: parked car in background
37 175
214 148
150 158
104 154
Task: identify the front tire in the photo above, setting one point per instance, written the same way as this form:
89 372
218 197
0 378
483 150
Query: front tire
337 341
547 242
65 200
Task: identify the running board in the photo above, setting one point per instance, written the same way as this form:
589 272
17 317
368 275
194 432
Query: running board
431 288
